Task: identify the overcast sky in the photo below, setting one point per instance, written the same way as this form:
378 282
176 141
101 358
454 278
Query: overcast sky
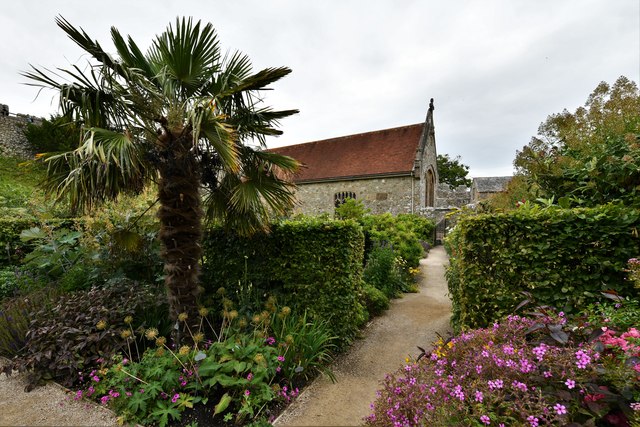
496 68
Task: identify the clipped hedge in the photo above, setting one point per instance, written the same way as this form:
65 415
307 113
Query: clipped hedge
312 265
563 257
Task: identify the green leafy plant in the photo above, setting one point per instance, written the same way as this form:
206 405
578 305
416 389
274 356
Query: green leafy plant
383 273
56 249
351 209
375 300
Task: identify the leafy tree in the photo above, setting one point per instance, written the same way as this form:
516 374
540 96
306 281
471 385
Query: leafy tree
58 133
452 171
184 117
591 156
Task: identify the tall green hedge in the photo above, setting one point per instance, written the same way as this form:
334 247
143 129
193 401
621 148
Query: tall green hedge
312 265
563 257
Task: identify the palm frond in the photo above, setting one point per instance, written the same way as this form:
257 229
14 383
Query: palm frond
247 201
105 165
186 56
258 81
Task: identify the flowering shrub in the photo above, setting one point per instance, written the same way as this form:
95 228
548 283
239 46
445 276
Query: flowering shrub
514 374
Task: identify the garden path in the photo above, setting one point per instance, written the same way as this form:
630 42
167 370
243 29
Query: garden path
49 405
415 319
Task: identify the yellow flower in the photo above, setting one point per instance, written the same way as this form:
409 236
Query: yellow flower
227 303
184 350
259 358
128 320
204 312
255 319
199 337
151 334
183 316
125 334
288 339
242 322
161 341
221 291
233 314
285 311
101 325
160 352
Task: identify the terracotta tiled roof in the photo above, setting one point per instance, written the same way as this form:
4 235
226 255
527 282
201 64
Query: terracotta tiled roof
388 151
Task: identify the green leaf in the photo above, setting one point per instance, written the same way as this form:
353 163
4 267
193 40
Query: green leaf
222 405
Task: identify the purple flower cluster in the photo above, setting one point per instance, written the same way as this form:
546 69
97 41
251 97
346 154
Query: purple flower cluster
497 367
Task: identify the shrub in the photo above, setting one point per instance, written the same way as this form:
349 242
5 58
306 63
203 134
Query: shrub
83 328
8 282
382 272
375 301
515 374
399 233
564 257
311 265
13 250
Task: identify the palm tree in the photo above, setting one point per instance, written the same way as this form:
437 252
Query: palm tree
182 116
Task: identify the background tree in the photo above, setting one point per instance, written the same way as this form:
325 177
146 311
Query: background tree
183 117
452 171
591 156
58 133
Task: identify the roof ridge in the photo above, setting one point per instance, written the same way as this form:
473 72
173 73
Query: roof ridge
351 135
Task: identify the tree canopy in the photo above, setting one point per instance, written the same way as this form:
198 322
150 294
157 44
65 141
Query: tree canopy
452 171
592 155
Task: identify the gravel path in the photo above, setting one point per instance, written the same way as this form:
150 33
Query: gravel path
411 321
49 405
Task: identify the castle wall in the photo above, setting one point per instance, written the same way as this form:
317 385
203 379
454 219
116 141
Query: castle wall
381 195
13 143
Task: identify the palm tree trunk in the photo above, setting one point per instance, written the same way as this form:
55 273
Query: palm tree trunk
180 216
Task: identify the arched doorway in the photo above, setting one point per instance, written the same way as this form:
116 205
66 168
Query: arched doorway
430 187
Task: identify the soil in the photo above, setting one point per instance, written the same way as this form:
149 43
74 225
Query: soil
414 320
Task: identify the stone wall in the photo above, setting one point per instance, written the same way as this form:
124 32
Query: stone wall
13 143
449 197
378 194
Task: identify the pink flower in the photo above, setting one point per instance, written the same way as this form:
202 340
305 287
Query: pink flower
570 383
485 420
247 392
250 376
280 358
175 398
104 400
533 421
96 378
560 409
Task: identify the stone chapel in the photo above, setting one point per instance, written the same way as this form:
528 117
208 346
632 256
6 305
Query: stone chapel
391 170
